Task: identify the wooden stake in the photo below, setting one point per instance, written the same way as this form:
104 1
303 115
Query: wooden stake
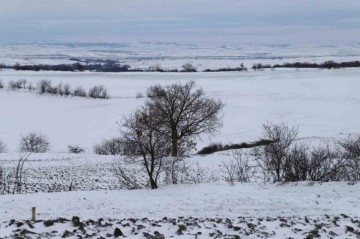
33 213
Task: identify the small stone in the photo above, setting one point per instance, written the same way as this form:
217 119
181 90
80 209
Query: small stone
19 224
48 223
236 228
118 232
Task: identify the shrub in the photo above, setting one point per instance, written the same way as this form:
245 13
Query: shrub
98 91
108 147
67 89
239 168
351 153
3 148
271 158
79 91
75 149
326 165
297 164
52 90
1 84
22 82
156 68
43 86
14 181
36 143
30 86
15 85
188 67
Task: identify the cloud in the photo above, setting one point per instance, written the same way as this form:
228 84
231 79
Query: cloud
21 20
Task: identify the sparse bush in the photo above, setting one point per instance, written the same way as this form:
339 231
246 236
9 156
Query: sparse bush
35 143
326 165
79 91
188 67
60 89
297 163
239 168
14 181
22 82
43 86
156 68
130 176
75 149
185 172
67 89
15 85
108 147
30 86
271 158
98 91
351 153
3 147
52 90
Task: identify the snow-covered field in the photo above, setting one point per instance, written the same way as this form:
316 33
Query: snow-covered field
174 55
323 103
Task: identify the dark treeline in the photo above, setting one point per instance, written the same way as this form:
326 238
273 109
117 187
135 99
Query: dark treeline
324 65
106 67
114 66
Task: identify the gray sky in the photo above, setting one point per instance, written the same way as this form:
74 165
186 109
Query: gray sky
197 21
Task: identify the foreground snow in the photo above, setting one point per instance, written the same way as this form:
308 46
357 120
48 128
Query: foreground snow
268 210
202 200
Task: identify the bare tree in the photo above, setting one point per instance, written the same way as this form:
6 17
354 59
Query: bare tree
35 143
151 146
109 147
183 112
271 158
239 168
188 67
167 125
296 165
351 154
326 165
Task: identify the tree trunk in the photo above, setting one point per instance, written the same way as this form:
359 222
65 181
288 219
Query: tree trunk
174 144
153 183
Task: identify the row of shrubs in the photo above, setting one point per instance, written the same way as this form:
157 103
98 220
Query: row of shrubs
112 66
46 87
39 143
290 159
33 142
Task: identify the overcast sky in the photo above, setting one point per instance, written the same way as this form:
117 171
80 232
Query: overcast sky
198 21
